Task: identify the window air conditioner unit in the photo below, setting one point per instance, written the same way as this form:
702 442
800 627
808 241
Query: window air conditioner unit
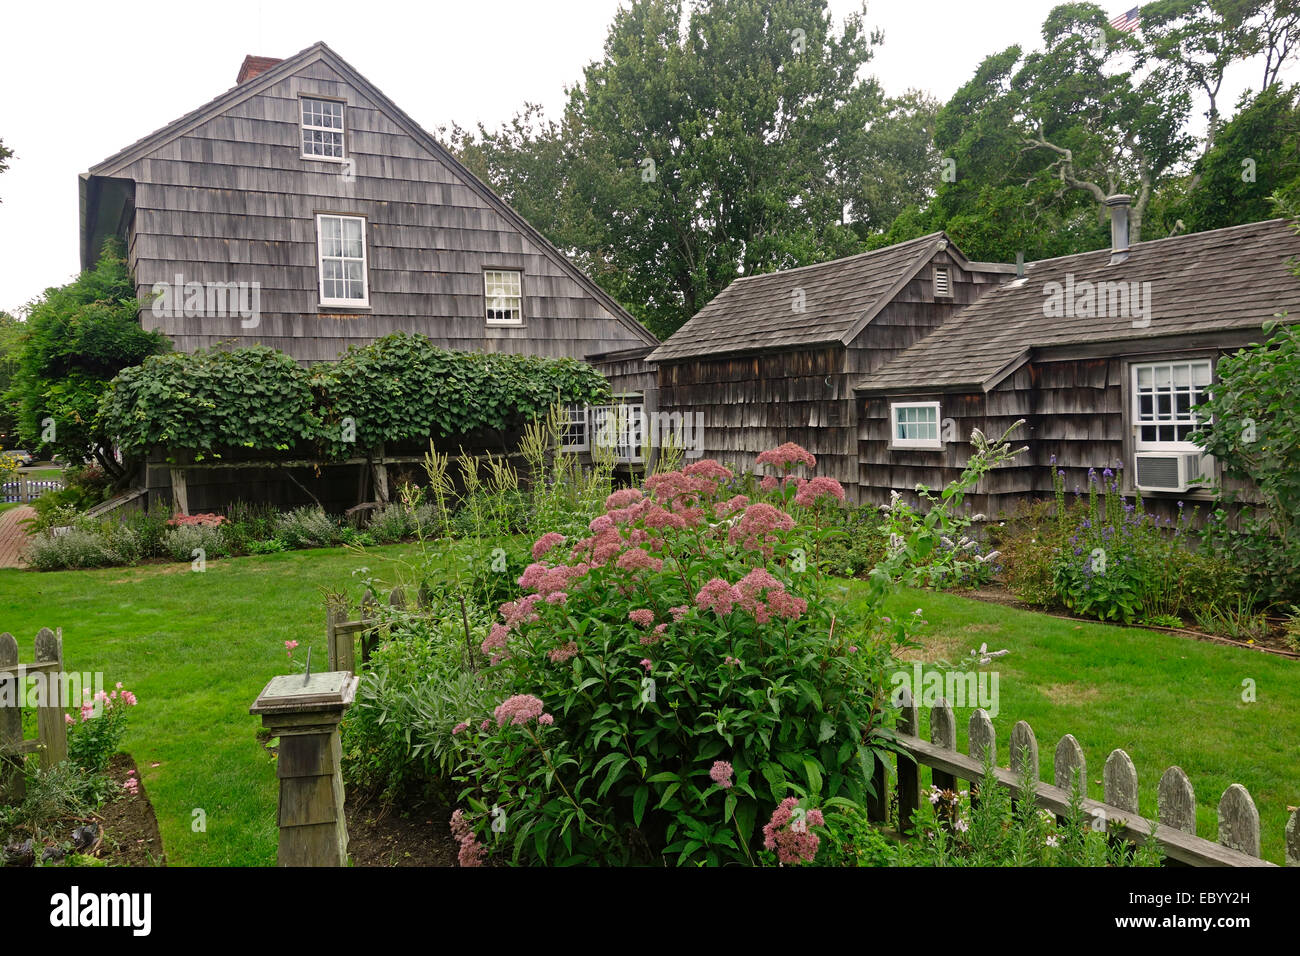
1170 471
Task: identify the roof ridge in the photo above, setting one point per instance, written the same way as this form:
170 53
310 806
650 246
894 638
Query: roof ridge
1152 242
826 262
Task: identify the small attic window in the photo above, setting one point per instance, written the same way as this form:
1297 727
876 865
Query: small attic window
942 281
322 129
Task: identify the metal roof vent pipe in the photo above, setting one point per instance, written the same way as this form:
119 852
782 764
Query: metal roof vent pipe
1118 205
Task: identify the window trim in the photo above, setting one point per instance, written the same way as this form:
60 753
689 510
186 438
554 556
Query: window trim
916 444
1170 447
362 303
302 125
571 411
503 323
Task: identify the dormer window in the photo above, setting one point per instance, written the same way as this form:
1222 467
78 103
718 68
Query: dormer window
942 281
322 129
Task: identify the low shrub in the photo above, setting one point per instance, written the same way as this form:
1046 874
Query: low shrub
308 528
94 738
181 543
76 548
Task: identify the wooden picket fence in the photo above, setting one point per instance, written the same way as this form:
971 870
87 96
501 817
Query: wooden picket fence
341 634
23 489
52 730
1239 832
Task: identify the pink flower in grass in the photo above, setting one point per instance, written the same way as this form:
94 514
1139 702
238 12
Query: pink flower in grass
546 720
519 709
546 543
485 725
645 662
463 725
69 719
721 773
678 612
787 832
129 698
471 852
642 617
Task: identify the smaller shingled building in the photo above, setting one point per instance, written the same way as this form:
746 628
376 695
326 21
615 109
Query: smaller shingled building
774 357
1104 354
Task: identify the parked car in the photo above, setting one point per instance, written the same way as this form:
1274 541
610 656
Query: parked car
22 456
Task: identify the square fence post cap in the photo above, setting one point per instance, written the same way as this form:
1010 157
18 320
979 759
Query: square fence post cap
294 693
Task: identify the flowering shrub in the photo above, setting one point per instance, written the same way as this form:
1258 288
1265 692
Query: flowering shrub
92 739
202 520
672 678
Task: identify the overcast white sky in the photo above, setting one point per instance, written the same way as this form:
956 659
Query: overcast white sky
84 79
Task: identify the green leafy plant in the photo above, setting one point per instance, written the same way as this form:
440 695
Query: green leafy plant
94 738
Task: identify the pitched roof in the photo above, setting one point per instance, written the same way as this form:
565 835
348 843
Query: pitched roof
839 297
116 163
1222 279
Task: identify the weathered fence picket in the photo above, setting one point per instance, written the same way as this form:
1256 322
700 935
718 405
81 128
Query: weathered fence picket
1239 832
341 634
51 729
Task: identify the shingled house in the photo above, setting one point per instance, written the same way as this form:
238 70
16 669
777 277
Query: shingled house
303 210
1103 354
774 357
306 195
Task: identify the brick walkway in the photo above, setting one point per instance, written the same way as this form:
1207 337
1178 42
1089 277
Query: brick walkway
13 536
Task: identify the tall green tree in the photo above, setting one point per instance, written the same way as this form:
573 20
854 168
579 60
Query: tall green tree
76 338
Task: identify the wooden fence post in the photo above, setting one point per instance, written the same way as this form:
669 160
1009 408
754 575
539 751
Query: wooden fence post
397 598
943 733
1239 820
180 492
1069 767
1024 756
982 742
1120 782
909 774
50 724
1293 839
13 785
1176 801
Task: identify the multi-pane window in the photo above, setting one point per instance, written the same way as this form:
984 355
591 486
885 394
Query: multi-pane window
1164 394
915 425
503 290
322 128
341 243
573 428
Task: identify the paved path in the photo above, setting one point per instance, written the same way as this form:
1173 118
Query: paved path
13 536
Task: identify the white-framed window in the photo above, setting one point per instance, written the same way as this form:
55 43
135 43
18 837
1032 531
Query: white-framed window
914 425
341 253
621 426
1164 394
573 428
322 129
503 291
942 281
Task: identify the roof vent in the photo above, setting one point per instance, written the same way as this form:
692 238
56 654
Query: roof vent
942 281
1118 205
255 66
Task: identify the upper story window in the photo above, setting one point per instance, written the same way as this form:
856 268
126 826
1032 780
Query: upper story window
322 129
1164 394
341 249
914 425
503 291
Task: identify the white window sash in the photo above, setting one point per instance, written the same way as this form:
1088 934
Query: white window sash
304 126
364 301
516 298
927 443
574 415
1135 404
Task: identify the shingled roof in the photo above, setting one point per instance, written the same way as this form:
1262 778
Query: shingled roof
756 312
1222 279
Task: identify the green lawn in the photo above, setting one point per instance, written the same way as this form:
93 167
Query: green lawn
1164 700
197 648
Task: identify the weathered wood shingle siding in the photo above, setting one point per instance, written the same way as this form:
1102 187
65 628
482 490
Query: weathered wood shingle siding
232 200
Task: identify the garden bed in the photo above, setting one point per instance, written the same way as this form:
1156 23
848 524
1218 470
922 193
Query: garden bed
415 834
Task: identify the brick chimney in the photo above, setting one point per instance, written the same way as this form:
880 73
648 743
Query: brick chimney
255 66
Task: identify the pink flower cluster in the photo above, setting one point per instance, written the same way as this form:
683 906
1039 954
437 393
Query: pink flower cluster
131 784
721 773
814 488
725 508
546 543
638 559
787 456
520 709
758 593
641 617
787 832
204 520
471 851
756 530
562 654
523 611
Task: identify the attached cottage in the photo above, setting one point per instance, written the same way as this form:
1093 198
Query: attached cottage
1103 354
774 357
